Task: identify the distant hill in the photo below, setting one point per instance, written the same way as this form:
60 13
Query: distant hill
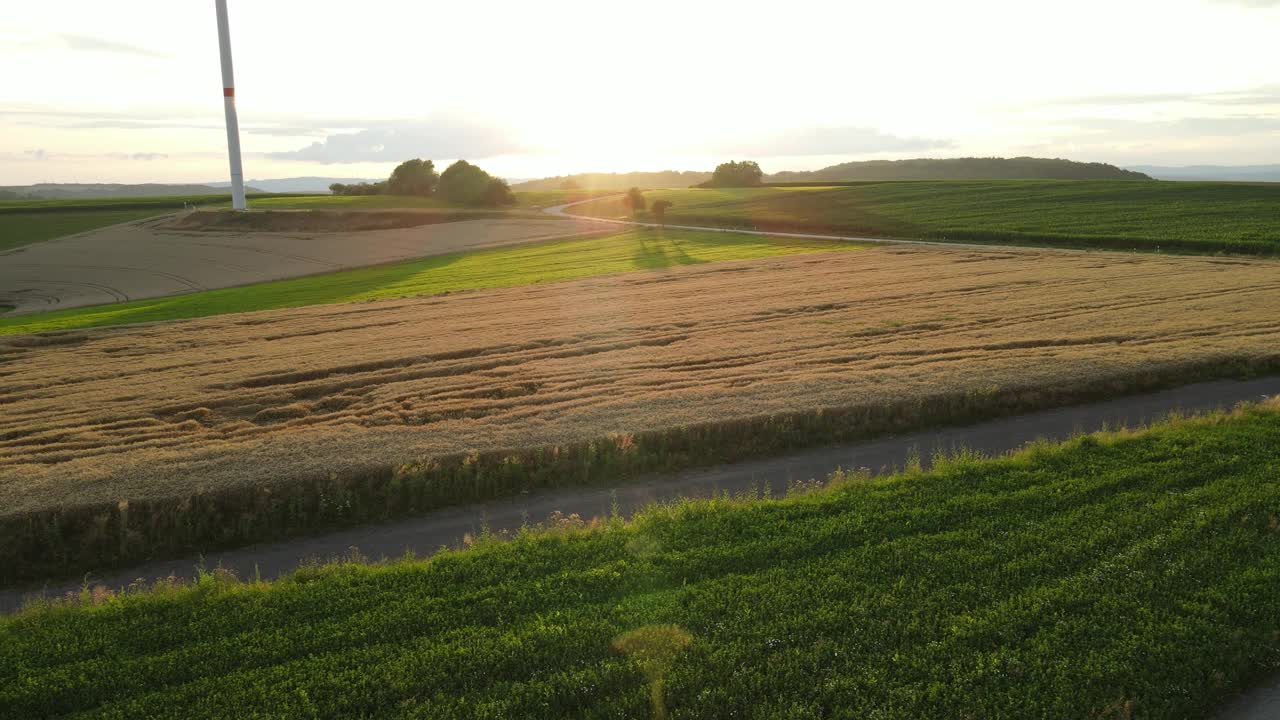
618 181
84 191
918 169
1221 173
1020 168
299 184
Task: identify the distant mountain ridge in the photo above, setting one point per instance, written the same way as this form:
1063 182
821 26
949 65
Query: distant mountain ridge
309 184
83 191
1219 173
618 181
1019 168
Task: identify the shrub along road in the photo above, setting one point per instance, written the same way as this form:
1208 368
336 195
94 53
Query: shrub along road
426 534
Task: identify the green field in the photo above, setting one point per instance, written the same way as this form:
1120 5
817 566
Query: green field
1120 215
1115 576
23 222
500 267
18 229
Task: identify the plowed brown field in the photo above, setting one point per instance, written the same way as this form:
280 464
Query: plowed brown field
166 409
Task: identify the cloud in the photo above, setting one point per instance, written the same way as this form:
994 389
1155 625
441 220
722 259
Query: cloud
1264 95
124 121
1181 128
138 125
284 131
37 154
145 156
440 136
1249 3
828 140
1125 99
95 44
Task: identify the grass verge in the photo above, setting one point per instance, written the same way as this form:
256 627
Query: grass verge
1178 217
97 537
1113 576
499 267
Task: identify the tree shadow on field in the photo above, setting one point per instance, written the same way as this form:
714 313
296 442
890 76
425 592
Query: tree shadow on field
658 252
407 278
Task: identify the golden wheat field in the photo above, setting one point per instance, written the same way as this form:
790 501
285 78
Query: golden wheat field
171 408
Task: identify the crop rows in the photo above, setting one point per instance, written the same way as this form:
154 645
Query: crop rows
1125 575
313 416
1234 218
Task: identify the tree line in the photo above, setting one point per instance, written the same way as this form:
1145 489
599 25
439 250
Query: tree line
460 184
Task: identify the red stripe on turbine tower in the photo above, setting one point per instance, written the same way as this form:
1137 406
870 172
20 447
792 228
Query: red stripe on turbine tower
228 92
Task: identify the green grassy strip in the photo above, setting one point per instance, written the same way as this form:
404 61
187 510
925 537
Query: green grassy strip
18 229
1129 575
1117 215
498 267
74 539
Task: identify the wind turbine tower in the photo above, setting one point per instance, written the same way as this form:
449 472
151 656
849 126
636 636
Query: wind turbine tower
229 103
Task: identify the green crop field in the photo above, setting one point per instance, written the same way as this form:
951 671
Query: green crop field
164 203
1115 576
500 267
18 229
23 222
1121 215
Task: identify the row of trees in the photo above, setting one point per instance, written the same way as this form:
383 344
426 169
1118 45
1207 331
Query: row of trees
460 184
634 201
745 173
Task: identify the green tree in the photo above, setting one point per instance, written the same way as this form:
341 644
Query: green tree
338 189
659 210
634 200
745 173
498 193
465 184
413 177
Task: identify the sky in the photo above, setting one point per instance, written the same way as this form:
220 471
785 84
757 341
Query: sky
131 91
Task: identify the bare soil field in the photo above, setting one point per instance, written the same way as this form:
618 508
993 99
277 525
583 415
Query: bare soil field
159 257
172 409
